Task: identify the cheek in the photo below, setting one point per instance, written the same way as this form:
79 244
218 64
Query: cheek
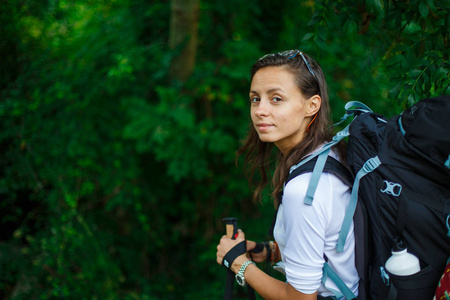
293 120
289 118
254 120
252 115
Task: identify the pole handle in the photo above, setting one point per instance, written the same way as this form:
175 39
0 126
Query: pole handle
230 230
231 227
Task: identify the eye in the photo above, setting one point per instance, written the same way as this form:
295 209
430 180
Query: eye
276 99
254 99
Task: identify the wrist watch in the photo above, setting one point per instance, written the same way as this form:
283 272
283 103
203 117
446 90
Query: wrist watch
240 275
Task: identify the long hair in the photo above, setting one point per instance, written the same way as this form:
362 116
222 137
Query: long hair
258 154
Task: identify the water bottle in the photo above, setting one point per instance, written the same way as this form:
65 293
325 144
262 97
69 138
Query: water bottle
402 263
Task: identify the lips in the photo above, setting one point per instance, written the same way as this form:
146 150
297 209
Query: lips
264 126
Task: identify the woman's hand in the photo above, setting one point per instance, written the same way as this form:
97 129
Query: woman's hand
225 245
257 257
268 287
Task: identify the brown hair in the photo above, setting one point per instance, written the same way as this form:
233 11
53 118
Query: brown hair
258 154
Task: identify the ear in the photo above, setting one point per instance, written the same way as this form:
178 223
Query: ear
313 105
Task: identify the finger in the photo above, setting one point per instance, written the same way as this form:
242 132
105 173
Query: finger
219 255
250 245
241 234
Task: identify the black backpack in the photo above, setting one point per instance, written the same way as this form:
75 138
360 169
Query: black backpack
401 193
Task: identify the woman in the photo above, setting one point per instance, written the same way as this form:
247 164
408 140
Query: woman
289 109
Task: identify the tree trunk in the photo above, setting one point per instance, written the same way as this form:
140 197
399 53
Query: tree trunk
183 33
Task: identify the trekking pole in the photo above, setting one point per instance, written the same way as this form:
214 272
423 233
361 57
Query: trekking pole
232 231
231 228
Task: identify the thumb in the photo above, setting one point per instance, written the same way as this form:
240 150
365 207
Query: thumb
241 235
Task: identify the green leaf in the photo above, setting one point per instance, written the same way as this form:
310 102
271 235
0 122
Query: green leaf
320 43
423 9
393 93
307 36
447 89
370 5
414 73
431 5
322 33
440 74
378 5
316 18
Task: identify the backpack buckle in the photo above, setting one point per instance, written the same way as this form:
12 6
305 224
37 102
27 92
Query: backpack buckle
371 164
392 188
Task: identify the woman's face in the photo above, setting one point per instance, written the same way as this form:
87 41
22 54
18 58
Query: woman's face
279 112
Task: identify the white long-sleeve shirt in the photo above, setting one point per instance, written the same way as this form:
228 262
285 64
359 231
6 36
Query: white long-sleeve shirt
305 233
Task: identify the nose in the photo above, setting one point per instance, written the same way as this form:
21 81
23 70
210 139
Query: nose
262 110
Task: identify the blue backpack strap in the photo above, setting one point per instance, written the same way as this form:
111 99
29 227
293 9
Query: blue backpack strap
332 166
448 226
337 294
357 107
321 155
315 176
370 165
327 164
344 291
336 139
353 108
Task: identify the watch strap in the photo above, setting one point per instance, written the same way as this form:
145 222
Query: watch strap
240 274
245 265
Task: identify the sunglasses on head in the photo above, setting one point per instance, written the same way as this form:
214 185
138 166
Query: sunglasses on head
291 54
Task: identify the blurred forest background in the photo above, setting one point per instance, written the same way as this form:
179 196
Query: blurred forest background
120 120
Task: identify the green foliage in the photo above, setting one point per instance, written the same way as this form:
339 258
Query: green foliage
114 178
408 40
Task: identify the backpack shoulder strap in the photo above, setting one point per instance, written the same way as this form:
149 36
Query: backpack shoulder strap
332 166
370 165
317 165
344 290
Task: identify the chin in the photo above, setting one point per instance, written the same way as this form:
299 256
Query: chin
266 139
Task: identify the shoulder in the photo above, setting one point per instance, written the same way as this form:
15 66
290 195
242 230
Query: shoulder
329 187
334 174
297 187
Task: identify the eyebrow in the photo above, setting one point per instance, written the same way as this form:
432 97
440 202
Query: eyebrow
269 91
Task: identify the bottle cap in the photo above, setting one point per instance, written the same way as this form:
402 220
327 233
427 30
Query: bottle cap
398 245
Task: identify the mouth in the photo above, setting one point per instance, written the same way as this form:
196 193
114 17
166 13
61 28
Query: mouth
263 126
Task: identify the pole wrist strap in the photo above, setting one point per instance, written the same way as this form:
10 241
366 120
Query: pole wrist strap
231 255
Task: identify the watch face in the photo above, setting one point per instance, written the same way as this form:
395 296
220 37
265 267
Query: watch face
240 280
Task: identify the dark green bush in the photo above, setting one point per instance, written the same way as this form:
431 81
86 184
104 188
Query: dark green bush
115 178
